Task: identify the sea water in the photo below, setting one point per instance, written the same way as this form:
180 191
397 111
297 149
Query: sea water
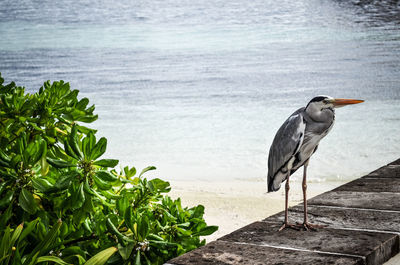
199 88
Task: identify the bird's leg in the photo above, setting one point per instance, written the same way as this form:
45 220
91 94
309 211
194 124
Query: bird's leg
306 225
286 223
304 186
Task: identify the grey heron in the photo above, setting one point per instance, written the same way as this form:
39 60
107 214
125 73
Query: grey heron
295 142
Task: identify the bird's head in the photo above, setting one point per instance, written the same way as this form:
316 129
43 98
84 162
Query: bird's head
319 103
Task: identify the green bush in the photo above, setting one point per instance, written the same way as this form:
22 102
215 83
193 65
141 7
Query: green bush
73 207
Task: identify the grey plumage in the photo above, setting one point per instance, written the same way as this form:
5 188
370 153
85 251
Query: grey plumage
296 140
286 144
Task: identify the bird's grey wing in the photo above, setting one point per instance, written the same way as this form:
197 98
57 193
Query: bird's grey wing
286 144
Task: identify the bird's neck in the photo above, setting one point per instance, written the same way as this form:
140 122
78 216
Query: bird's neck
324 115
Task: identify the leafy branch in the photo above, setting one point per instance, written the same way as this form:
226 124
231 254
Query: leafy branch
74 207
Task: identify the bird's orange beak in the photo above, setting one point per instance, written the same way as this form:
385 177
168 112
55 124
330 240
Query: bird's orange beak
339 102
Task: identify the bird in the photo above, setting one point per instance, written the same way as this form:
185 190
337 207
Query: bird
294 144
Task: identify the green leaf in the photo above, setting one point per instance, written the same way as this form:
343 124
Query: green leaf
88 205
78 198
110 194
74 250
65 179
86 224
143 227
69 151
129 172
137 258
198 212
5 175
4 156
121 237
40 151
29 153
96 194
101 257
85 130
16 160
187 224
101 184
146 169
75 259
4 164
29 227
183 232
163 243
125 252
87 188
44 244
64 229
56 260
79 217
88 118
3 186
87 145
59 163
42 185
6 215
155 237
208 230
106 162
21 143
122 205
73 141
82 104
129 218
159 185
6 198
27 202
5 243
99 149
132 172
16 234
106 176
44 166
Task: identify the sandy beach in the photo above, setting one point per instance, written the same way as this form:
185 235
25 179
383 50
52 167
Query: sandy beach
234 204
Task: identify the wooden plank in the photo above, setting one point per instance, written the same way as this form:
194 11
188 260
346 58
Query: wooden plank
374 247
223 253
372 185
346 218
396 162
389 171
354 199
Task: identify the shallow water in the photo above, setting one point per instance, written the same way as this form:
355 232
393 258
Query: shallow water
199 88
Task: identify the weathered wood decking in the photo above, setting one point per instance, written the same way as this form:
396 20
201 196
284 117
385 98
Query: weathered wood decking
363 218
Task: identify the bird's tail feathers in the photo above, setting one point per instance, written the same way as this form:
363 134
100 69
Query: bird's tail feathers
274 184
272 188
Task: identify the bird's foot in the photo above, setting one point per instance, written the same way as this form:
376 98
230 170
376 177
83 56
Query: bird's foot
287 225
308 226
